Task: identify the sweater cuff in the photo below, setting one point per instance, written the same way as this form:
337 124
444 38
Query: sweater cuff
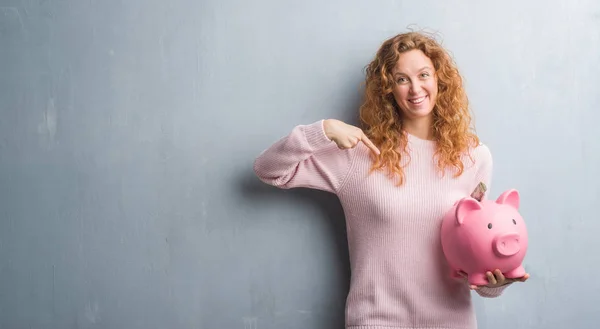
315 135
492 292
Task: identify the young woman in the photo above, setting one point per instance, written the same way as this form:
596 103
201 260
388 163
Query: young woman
395 178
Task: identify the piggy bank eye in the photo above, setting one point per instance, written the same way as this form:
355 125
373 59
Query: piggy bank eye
514 222
490 225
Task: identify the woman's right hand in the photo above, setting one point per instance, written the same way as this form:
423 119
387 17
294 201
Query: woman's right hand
346 136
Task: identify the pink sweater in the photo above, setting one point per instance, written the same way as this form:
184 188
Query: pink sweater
399 277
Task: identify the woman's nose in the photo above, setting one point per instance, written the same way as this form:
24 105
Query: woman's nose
415 87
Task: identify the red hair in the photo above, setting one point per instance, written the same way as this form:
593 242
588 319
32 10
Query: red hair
381 118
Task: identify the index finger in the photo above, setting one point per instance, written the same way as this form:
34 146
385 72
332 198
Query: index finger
369 144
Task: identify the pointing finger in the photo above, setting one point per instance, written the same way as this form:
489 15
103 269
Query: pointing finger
370 144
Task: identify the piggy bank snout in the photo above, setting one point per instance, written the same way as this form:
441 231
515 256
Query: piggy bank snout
506 245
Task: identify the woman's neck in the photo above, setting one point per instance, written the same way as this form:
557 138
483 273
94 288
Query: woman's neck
421 128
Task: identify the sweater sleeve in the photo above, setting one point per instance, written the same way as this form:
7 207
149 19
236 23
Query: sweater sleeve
484 174
487 292
304 158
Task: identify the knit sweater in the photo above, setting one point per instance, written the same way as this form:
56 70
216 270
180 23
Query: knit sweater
399 276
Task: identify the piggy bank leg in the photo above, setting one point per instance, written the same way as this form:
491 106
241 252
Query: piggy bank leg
516 273
478 279
455 274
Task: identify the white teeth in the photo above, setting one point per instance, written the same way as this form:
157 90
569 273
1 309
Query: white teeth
417 100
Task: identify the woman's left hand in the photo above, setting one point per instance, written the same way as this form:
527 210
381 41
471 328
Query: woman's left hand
496 279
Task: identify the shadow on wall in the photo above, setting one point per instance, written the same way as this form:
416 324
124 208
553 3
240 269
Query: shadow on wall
331 310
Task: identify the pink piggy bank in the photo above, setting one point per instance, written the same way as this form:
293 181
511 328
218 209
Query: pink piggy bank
481 236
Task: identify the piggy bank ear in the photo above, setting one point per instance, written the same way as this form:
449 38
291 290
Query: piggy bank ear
466 206
510 197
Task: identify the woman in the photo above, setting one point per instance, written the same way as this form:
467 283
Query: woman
395 178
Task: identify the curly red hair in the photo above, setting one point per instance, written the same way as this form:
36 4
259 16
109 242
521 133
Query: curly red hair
381 118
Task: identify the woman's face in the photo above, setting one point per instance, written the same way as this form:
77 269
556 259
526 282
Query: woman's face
416 87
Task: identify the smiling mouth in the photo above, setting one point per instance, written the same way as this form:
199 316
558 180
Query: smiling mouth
417 101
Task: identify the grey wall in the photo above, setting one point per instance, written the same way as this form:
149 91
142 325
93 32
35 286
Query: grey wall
128 131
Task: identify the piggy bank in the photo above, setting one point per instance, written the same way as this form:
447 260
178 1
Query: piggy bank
481 236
